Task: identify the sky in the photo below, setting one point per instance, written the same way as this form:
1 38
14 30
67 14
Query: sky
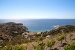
37 9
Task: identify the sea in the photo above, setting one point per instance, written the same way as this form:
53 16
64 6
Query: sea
41 25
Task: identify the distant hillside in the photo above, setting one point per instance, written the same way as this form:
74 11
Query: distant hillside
60 30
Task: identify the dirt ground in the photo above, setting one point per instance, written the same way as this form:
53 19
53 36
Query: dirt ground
57 45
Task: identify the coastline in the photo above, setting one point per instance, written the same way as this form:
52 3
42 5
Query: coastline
39 25
12 33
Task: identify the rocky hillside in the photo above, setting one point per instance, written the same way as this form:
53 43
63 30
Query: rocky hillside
60 30
15 33
10 29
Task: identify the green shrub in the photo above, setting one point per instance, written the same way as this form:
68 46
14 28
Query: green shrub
50 44
39 47
60 38
40 38
20 47
16 47
71 36
8 48
70 47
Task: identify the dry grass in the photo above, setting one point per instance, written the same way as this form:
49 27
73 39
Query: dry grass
57 44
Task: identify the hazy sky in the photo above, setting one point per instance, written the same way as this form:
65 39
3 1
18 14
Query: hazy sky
37 9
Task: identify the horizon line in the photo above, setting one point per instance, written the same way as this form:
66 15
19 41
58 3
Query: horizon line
39 18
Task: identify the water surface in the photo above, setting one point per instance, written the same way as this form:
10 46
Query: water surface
38 25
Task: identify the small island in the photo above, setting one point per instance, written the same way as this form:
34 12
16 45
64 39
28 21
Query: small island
15 35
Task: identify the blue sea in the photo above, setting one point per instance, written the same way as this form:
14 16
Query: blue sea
38 25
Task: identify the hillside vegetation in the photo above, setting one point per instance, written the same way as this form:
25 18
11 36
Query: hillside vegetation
15 36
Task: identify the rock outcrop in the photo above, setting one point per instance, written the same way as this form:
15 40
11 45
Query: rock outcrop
10 29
